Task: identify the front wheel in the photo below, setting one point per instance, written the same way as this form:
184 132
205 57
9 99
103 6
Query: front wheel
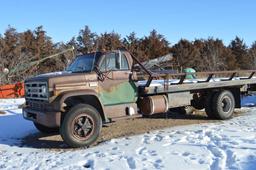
81 126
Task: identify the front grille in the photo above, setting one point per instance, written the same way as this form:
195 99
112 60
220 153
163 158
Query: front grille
38 105
34 91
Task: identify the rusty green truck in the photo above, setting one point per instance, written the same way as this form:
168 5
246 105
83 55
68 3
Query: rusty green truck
101 87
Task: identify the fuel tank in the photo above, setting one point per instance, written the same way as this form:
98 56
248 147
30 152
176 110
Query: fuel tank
153 104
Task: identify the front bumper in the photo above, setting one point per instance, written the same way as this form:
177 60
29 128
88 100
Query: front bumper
49 119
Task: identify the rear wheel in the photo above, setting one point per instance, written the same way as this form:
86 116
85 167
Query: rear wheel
81 126
198 101
45 129
223 105
209 105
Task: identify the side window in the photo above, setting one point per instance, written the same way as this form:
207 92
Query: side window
110 62
124 62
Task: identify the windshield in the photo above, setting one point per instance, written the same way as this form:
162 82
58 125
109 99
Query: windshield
82 64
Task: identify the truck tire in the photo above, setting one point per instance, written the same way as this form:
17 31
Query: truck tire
209 105
198 102
81 126
223 105
45 129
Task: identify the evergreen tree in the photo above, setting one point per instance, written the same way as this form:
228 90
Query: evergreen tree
20 48
252 55
213 55
155 45
109 41
239 50
133 44
86 40
186 55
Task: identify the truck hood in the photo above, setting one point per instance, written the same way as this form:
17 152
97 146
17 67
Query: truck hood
64 77
55 74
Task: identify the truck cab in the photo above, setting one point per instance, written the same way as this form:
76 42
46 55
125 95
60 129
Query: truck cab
95 88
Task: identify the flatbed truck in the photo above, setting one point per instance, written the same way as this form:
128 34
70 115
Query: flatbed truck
102 87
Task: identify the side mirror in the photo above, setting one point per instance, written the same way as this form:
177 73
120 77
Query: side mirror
136 68
68 62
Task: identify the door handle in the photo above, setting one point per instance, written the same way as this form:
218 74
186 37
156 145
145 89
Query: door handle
128 72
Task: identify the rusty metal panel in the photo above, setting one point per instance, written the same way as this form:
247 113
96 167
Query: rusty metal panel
49 119
179 99
124 92
121 110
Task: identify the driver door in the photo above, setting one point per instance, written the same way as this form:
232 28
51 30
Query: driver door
117 86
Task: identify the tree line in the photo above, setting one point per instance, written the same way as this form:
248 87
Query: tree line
18 49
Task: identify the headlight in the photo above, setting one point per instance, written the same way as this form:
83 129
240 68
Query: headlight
44 90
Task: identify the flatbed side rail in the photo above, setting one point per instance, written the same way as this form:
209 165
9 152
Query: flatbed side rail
208 76
175 82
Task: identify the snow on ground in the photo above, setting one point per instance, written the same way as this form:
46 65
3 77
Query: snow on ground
225 145
12 125
10 104
248 101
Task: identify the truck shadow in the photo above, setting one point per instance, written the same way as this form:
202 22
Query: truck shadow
177 115
44 141
14 127
54 141
121 128
180 114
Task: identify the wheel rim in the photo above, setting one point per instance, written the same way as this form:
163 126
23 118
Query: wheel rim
82 126
226 104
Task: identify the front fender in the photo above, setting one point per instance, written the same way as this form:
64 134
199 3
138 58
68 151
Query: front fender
76 93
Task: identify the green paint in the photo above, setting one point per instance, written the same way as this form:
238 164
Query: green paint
190 70
124 93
